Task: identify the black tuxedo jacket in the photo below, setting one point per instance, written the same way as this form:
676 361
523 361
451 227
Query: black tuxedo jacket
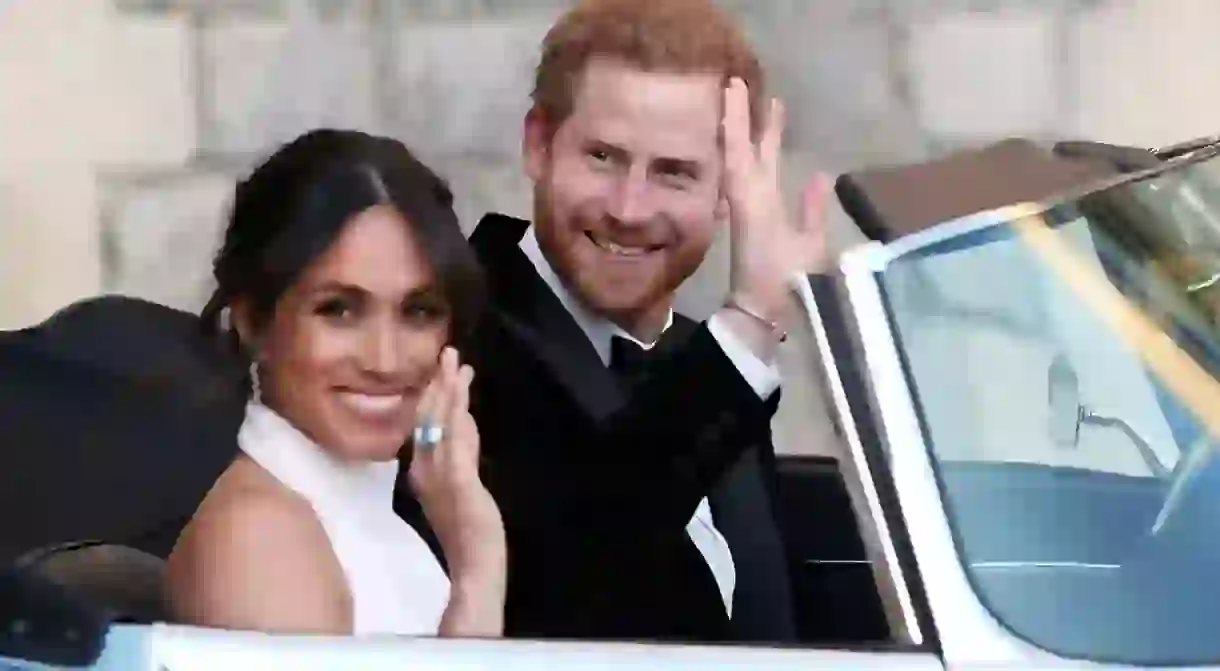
596 486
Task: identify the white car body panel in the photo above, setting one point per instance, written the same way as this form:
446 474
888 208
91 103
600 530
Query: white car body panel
175 648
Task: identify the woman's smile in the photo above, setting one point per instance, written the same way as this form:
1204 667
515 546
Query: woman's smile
375 406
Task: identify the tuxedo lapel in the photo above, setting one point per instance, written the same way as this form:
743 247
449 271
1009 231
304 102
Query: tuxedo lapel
531 312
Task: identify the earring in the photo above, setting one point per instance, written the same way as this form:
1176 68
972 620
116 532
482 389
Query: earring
256 387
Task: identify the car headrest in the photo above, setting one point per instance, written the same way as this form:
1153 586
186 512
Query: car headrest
135 338
123 583
890 202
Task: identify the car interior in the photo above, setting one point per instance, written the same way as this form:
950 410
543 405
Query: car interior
838 599
827 557
121 576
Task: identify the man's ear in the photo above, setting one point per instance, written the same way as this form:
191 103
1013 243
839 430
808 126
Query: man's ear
722 208
722 211
535 143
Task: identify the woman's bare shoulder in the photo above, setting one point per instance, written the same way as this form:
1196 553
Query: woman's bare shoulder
256 557
249 513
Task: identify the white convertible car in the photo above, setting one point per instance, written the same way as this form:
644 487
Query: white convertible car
1028 403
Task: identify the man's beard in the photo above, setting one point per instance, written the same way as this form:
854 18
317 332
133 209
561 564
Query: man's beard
647 313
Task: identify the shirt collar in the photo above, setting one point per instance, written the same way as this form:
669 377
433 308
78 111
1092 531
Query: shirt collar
599 330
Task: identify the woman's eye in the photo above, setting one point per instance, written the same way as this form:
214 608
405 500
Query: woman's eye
334 309
422 311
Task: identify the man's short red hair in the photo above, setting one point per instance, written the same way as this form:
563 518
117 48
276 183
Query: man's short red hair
683 36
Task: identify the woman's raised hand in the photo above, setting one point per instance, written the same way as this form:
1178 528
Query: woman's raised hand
444 475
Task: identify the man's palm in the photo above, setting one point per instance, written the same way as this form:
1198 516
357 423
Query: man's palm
767 249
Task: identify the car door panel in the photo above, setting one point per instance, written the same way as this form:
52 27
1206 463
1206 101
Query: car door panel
835 594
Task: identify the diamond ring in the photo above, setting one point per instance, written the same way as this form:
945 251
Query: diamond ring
428 435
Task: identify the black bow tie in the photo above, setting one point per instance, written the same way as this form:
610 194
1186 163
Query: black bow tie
628 360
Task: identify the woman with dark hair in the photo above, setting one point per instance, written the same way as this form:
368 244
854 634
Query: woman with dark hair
346 282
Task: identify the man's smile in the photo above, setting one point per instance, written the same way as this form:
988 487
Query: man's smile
623 249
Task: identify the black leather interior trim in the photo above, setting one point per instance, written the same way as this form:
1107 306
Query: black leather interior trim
835 594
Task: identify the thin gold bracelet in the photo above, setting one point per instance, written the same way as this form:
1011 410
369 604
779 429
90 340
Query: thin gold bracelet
735 304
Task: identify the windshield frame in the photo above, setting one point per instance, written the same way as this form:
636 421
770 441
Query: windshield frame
969 633
979 221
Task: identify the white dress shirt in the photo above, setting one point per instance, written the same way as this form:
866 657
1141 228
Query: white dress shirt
762 377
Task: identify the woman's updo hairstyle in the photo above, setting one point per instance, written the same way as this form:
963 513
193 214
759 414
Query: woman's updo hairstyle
292 208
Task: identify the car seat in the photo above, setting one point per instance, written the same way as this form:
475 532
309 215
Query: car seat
123 583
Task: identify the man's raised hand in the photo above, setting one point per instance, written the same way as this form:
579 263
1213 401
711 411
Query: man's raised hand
767 247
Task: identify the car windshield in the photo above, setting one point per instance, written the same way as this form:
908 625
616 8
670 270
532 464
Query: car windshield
1064 367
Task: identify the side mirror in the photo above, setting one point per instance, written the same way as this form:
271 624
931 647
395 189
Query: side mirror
1068 414
1063 397
42 622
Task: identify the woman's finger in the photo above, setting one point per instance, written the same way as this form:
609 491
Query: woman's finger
427 402
431 410
421 458
440 411
459 405
462 463
470 432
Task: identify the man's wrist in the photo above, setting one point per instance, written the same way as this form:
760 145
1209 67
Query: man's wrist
755 334
758 313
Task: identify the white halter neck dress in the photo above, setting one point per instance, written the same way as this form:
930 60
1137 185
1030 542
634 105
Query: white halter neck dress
396 583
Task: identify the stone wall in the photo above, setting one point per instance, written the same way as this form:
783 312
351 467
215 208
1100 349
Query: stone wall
867 82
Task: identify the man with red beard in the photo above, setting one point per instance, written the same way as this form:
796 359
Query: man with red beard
628 447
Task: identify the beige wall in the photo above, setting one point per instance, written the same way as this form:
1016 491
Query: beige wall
79 91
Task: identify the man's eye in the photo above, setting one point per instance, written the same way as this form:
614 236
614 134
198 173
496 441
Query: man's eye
599 155
677 179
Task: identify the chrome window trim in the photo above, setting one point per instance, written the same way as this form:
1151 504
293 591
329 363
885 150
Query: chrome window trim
877 256
1038 565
